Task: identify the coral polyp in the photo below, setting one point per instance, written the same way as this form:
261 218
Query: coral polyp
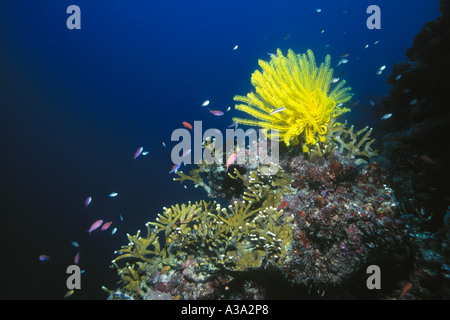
293 96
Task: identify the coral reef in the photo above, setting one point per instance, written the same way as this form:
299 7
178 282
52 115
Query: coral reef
413 146
306 227
214 240
345 217
332 218
417 132
353 144
292 96
261 189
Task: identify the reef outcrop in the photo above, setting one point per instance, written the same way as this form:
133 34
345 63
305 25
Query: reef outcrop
313 227
415 146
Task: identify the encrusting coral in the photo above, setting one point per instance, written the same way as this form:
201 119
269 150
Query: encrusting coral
292 96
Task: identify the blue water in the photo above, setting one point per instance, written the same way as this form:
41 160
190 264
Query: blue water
76 104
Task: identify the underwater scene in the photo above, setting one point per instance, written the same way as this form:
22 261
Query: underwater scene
224 150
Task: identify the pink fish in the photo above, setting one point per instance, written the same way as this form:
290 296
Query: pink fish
175 167
95 225
106 225
187 125
43 257
88 201
427 159
77 258
216 112
138 152
405 290
231 159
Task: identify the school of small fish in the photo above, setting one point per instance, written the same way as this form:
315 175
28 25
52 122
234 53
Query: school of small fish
103 226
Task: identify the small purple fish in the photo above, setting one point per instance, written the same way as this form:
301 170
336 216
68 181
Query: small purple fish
43 257
138 152
175 168
88 201
77 258
216 112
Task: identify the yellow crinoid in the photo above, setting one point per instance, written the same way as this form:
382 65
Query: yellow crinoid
293 96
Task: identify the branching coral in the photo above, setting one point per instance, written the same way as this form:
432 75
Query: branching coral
352 144
195 175
240 213
233 238
263 190
176 215
138 247
300 89
210 176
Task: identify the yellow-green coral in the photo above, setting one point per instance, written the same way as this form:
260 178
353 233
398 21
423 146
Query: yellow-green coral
233 238
138 247
295 85
243 235
356 145
264 190
176 215
199 175
236 219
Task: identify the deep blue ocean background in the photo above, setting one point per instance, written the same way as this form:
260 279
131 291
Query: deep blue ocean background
75 105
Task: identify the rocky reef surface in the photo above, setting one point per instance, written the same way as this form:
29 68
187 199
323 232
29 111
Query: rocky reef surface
309 231
415 145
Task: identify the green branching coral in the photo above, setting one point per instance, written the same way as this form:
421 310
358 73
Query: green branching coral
176 215
253 238
202 174
246 234
236 219
293 96
264 190
138 247
270 237
357 145
233 238
196 175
